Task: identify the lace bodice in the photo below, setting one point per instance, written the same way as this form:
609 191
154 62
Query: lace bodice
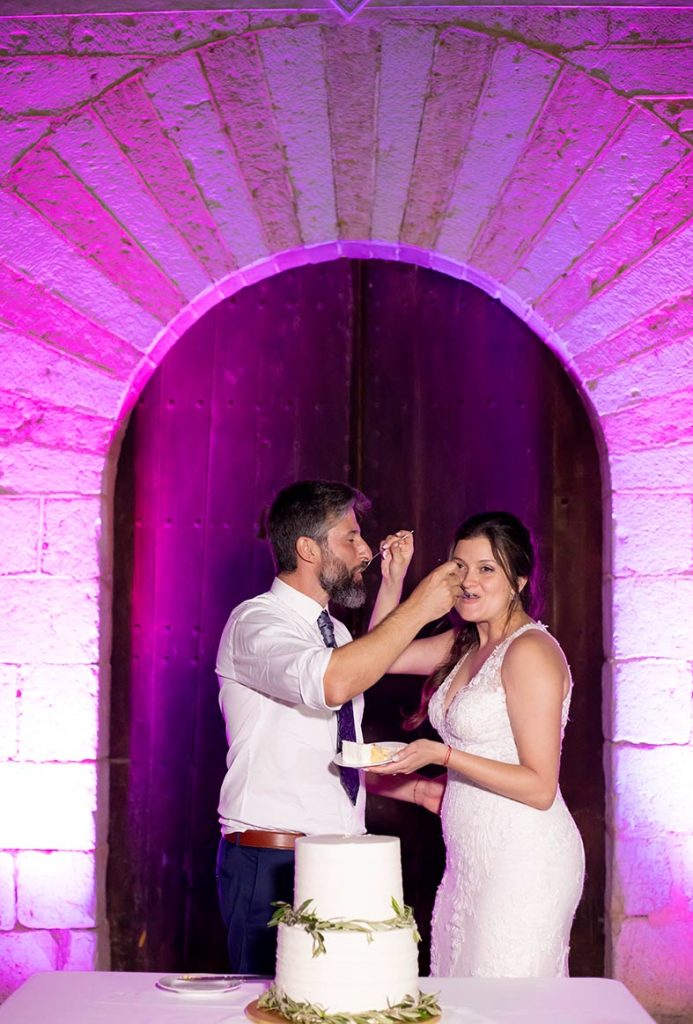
513 873
476 720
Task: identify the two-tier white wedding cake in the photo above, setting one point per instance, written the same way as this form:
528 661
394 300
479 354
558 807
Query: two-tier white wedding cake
348 944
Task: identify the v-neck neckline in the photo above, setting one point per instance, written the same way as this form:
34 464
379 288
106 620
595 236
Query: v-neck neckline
449 701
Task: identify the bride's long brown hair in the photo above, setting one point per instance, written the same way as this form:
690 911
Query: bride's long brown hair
512 548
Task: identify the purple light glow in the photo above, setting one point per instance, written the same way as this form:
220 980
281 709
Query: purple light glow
142 187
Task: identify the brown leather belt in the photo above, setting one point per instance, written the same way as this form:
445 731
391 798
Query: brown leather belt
264 839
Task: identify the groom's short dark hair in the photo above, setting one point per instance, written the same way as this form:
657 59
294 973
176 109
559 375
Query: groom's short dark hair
308 508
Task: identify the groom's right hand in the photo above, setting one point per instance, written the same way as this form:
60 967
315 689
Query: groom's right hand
437 593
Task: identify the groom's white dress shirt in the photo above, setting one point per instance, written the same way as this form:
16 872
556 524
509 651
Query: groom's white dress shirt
282 735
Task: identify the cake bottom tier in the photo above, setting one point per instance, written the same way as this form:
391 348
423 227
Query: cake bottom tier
354 974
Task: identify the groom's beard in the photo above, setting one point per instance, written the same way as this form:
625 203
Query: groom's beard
340 583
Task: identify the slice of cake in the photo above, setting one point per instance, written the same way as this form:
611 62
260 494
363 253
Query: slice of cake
360 755
348 945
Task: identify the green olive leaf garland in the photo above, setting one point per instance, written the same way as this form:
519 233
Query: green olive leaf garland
411 1009
315 926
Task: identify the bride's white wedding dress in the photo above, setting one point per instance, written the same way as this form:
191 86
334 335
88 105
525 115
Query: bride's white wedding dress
513 874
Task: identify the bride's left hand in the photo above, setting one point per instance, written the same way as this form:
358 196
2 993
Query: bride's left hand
415 755
397 552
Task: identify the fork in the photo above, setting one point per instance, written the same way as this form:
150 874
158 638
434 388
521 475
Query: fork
407 533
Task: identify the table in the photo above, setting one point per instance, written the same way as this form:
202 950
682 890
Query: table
104 997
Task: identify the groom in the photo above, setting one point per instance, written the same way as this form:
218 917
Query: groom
291 683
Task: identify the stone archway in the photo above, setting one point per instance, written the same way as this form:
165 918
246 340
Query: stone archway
253 395
148 173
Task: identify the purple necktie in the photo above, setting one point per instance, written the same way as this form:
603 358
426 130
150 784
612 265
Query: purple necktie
346 728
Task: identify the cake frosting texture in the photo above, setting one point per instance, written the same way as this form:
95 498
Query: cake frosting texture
348 883
361 755
349 876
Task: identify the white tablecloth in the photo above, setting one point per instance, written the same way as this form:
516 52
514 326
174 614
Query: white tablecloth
103 997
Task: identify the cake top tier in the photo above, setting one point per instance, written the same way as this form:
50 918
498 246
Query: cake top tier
351 877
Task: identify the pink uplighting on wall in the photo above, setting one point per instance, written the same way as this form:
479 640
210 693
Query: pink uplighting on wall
152 166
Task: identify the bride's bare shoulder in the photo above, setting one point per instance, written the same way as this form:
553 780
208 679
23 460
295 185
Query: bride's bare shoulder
538 648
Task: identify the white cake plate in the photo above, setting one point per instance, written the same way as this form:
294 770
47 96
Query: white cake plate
393 746
200 984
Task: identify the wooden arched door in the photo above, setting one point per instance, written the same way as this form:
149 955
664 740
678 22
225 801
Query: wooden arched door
437 402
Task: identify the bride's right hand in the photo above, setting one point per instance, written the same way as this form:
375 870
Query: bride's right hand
397 552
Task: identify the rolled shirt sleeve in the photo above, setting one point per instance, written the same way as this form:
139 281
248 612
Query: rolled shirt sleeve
267 655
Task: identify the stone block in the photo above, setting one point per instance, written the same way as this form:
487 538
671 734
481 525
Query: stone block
600 200
654 875
179 92
80 952
127 114
74 308
662 25
588 28
44 373
8 909
612 285
652 702
663 67
59 713
651 790
528 200
444 265
156 33
295 78
652 617
654 960
16 137
38 422
161 346
19 37
500 135
19 532
654 423
55 82
23 954
643 361
259 270
71 537
9 682
56 890
655 469
48 806
29 468
93 154
49 620
653 533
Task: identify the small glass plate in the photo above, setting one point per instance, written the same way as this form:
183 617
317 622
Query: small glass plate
199 984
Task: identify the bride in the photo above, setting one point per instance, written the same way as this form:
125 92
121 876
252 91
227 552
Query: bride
498 693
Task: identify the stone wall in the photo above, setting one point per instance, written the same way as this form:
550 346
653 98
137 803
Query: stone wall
152 164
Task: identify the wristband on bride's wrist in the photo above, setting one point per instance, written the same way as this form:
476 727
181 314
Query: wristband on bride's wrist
447 757
413 796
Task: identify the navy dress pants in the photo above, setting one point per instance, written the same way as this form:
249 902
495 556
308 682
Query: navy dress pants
249 880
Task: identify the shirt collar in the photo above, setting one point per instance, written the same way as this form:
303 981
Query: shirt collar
303 605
